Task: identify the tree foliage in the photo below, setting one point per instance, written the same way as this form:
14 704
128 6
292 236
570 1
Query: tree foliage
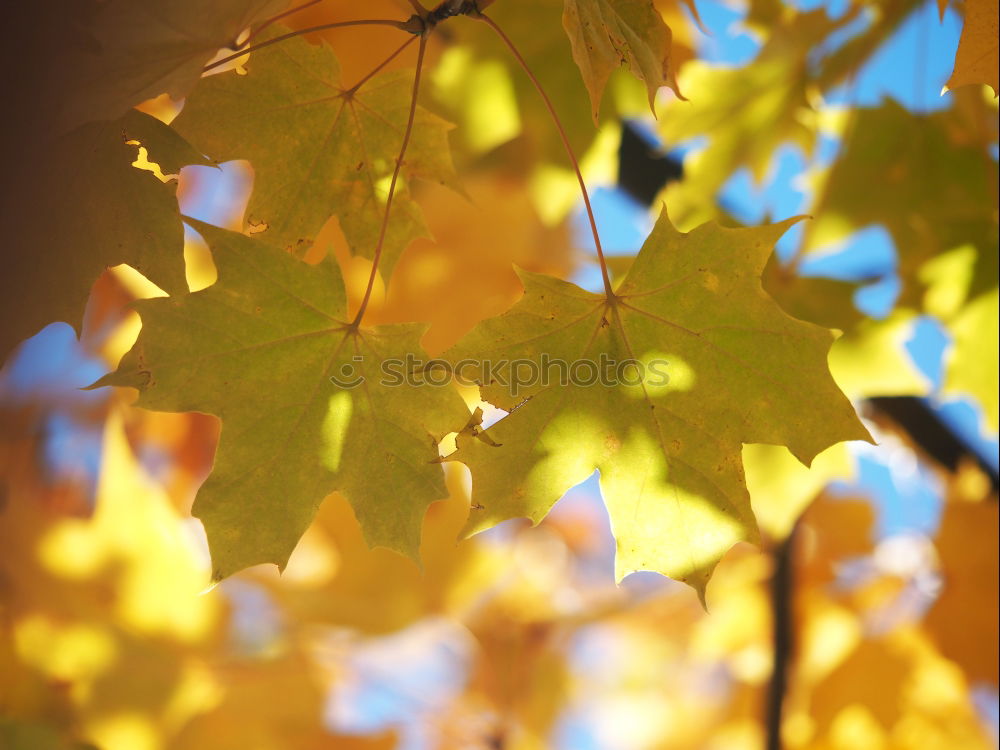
383 342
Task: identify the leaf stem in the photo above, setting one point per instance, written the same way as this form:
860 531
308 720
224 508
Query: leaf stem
381 65
274 19
300 32
392 184
569 149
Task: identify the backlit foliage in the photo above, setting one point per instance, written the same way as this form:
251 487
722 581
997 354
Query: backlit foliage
235 208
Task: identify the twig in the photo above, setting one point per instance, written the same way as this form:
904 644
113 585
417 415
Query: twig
300 32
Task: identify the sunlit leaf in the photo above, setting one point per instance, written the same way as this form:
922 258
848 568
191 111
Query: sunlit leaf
668 448
304 405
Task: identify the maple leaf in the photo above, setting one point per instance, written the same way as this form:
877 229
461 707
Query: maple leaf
932 190
109 212
258 349
872 359
746 114
143 48
739 371
976 60
969 570
972 367
608 33
319 148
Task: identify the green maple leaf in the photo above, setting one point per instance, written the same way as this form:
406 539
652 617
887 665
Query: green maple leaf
258 349
739 370
84 207
143 48
317 148
606 34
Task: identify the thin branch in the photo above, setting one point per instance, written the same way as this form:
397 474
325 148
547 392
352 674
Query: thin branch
381 65
392 184
300 32
569 149
274 19
782 590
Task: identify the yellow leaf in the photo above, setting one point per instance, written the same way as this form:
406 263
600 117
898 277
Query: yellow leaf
963 620
608 33
976 60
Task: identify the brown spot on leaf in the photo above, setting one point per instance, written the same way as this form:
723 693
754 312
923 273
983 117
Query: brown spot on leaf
612 444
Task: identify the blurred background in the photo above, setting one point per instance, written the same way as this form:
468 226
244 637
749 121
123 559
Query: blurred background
867 619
